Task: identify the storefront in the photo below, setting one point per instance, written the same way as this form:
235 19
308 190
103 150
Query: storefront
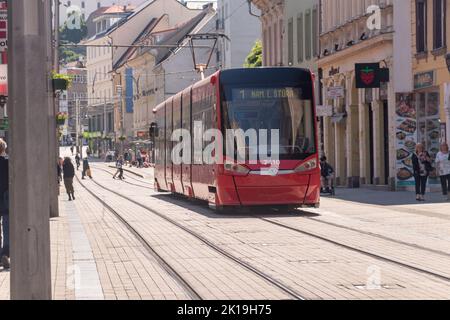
419 120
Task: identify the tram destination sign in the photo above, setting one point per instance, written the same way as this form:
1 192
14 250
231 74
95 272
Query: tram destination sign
266 93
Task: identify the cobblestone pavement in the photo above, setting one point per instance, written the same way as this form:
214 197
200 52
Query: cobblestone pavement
361 244
312 266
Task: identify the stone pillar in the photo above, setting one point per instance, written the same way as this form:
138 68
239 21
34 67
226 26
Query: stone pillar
339 144
392 137
364 165
377 141
353 153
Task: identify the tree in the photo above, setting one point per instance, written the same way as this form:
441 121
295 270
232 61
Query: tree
72 36
254 59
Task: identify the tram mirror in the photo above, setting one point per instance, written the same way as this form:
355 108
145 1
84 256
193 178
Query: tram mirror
153 131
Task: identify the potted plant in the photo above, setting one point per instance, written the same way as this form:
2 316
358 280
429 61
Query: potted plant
61 118
61 81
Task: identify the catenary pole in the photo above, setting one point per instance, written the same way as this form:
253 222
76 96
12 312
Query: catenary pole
30 99
54 108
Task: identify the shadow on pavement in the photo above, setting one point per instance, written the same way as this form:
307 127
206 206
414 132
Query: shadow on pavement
202 208
386 198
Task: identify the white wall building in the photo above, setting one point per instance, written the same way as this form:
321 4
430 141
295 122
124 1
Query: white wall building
86 7
243 29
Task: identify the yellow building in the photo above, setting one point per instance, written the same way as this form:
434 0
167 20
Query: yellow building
423 112
431 38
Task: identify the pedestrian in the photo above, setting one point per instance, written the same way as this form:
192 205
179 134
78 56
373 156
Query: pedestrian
326 176
69 174
119 166
4 206
422 169
86 169
59 170
77 160
139 158
443 167
71 149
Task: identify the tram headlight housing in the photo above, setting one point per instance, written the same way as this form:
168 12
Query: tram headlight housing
307 166
236 169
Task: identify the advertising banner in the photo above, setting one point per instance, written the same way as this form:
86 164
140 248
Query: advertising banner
3 26
406 138
3 80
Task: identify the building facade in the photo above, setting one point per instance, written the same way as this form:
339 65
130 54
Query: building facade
87 7
242 30
424 103
359 132
273 30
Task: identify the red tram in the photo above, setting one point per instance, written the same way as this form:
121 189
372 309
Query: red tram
261 99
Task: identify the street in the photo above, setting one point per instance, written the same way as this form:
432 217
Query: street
122 240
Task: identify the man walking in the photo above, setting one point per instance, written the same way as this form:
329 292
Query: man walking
119 166
4 205
77 160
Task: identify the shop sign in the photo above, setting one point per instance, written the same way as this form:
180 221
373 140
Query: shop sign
424 80
4 124
3 26
335 92
324 111
333 71
367 75
3 80
141 134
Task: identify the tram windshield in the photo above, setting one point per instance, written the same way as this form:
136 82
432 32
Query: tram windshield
288 110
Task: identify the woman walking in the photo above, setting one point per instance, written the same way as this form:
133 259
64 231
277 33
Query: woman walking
69 174
422 168
443 166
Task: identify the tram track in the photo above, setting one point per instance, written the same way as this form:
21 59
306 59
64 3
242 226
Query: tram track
127 182
269 279
337 225
332 241
161 261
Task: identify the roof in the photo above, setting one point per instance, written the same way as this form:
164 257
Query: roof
172 36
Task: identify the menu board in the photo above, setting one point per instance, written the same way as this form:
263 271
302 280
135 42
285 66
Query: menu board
406 138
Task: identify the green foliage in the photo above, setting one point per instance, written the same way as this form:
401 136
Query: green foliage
72 36
64 77
254 59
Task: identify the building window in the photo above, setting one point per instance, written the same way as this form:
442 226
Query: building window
291 42
300 38
308 39
315 31
439 23
421 32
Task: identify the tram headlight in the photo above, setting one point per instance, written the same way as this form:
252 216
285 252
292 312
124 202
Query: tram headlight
308 165
236 169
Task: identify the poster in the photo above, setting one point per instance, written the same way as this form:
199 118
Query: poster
406 138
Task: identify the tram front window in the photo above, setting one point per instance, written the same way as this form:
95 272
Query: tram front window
283 109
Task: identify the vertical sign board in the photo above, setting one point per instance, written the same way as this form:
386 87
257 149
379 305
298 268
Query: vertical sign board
3 48
129 91
406 137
